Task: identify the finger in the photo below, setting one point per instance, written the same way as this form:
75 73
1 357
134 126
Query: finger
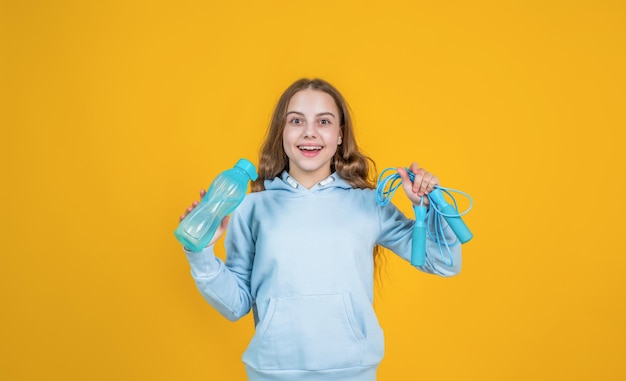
423 186
433 183
403 174
414 168
430 185
202 193
418 180
406 180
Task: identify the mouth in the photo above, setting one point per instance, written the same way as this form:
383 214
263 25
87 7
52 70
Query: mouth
310 150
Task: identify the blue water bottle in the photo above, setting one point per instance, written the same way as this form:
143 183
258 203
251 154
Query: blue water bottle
224 195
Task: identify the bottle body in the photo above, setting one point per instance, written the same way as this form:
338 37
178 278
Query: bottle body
224 195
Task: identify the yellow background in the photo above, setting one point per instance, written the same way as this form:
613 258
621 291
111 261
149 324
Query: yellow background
115 113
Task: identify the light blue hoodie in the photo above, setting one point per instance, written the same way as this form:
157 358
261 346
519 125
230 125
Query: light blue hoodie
301 259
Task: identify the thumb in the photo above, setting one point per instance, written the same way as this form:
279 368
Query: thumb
407 184
403 174
220 230
224 223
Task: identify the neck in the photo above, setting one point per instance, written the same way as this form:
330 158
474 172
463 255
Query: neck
309 179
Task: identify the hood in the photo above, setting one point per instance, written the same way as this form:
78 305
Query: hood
284 182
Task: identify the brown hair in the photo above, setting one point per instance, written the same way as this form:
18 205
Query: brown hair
353 166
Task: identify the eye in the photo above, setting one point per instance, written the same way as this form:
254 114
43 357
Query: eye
295 121
324 122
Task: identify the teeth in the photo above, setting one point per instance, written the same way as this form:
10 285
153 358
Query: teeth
310 148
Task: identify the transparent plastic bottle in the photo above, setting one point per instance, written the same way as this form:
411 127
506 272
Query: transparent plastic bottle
224 195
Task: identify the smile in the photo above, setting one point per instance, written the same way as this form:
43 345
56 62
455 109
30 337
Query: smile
310 148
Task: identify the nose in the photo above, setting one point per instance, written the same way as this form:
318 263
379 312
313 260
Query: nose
310 131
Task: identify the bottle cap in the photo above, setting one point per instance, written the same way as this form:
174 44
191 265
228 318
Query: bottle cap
248 167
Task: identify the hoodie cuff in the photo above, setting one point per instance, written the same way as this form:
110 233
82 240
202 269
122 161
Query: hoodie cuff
203 264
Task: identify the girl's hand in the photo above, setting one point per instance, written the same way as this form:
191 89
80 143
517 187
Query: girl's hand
193 205
220 230
423 183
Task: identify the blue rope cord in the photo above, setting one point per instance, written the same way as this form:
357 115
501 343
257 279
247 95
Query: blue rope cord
387 187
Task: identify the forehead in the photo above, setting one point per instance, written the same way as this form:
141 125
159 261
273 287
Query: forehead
312 101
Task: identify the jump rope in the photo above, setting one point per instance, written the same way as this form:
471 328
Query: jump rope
439 207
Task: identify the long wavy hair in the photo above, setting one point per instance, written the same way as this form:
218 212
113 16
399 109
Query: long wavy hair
354 167
348 161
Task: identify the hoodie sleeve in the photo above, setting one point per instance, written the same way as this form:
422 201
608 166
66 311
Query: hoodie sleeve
396 235
226 285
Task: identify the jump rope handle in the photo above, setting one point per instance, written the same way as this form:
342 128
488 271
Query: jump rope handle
451 215
418 250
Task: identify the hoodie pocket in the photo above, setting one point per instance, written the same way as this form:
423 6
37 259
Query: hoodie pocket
312 332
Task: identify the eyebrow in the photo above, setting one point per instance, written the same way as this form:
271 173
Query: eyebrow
320 114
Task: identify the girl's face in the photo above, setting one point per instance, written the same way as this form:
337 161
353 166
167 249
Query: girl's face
311 135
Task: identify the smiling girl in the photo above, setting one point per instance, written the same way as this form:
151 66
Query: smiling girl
300 248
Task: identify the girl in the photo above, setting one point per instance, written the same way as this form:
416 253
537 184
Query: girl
300 246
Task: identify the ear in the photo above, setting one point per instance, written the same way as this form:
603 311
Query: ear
339 140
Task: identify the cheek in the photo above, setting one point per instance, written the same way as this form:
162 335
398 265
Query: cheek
287 144
285 139
331 137
331 143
